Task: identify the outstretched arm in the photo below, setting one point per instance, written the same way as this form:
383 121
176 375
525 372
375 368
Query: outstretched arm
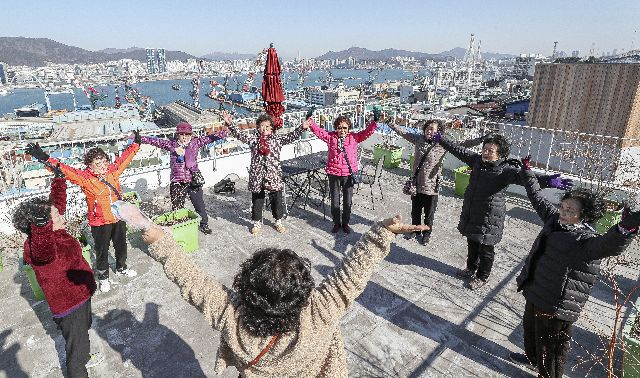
204 140
58 194
338 291
542 206
165 144
360 136
464 154
412 138
204 293
321 133
292 136
74 175
123 161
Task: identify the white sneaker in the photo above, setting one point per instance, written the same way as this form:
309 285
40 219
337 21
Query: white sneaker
105 285
126 272
280 227
257 226
94 360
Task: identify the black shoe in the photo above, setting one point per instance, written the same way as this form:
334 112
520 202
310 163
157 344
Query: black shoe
425 239
464 273
336 228
346 228
521 359
476 283
204 228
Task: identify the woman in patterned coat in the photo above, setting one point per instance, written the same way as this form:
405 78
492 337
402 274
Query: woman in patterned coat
265 171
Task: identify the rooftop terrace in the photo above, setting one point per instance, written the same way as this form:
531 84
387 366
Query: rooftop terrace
413 319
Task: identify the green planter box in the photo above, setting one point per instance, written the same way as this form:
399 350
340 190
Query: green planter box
461 180
31 275
610 218
392 156
412 161
631 365
186 231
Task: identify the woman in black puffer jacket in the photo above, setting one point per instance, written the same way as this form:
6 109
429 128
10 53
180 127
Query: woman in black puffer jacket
560 271
484 208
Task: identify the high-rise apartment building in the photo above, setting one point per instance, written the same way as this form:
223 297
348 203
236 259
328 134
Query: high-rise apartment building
151 62
3 73
162 61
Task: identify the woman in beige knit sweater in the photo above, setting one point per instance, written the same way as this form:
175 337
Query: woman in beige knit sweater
274 323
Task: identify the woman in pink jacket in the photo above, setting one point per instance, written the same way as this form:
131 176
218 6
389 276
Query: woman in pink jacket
342 163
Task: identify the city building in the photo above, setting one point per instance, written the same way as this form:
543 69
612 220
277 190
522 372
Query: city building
525 64
151 62
3 73
595 98
405 92
162 61
322 97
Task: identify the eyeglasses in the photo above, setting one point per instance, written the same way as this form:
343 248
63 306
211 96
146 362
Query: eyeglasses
342 128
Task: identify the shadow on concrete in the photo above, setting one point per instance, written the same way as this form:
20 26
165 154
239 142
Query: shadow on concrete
10 363
154 349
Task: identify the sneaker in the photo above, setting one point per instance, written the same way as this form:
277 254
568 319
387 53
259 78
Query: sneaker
464 273
521 359
257 226
424 240
126 272
346 228
94 360
336 228
204 228
280 227
105 285
476 283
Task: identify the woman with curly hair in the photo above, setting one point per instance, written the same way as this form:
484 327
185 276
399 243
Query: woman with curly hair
275 322
560 270
62 272
484 204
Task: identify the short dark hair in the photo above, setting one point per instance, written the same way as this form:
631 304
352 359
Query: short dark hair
272 287
503 144
438 122
341 119
93 154
593 204
262 118
30 211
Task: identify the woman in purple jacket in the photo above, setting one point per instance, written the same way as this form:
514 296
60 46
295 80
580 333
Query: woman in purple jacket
184 162
342 143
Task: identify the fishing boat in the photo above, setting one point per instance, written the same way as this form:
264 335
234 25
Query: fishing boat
176 87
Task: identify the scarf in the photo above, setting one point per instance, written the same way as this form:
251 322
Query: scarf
263 145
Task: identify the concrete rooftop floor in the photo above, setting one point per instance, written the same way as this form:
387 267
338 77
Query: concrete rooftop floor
415 318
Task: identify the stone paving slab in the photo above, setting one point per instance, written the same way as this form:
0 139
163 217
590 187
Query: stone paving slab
414 319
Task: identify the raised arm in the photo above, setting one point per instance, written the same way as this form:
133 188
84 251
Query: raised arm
473 142
123 161
338 291
412 138
366 133
542 206
466 155
612 243
292 136
204 140
204 293
58 194
165 144
321 133
74 175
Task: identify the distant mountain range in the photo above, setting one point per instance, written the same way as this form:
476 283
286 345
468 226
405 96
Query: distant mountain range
18 51
365 54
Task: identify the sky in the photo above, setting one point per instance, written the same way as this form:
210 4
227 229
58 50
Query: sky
311 28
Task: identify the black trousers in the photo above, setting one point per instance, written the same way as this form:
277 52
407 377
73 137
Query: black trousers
75 330
546 341
480 258
102 235
339 184
257 204
178 192
423 204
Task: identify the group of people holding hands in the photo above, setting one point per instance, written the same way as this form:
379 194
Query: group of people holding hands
274 320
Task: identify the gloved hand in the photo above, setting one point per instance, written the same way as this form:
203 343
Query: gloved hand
526 163
57 172
630 219
376 114
487 135
310 112
514 163
437 137
136 137
557 182
36 151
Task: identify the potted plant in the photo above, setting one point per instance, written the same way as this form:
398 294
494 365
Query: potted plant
462 176
184 227
612 216
391 152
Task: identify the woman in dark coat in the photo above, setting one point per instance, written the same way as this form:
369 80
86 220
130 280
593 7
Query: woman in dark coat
484 208
562 266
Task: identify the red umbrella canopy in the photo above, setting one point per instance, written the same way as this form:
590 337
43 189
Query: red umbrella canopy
272 94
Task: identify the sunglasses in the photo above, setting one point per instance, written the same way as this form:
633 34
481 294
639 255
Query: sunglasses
342 128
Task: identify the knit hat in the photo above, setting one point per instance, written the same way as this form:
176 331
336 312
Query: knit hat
184 128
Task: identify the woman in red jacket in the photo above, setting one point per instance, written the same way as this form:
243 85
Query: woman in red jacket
62 272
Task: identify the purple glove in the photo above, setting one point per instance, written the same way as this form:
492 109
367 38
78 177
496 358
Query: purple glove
436 138
557 182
